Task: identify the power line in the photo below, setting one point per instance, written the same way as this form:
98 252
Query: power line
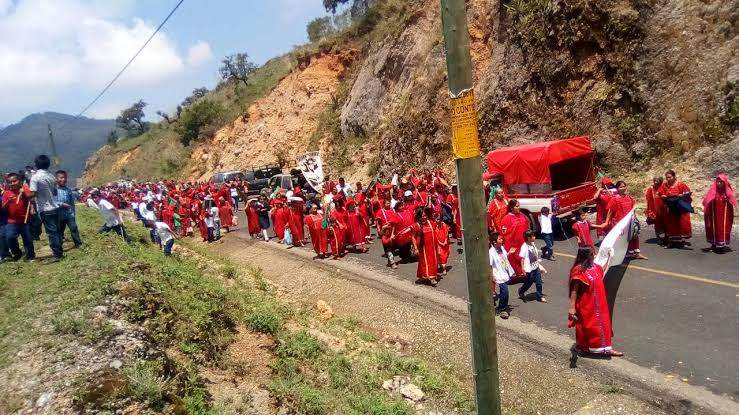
130 61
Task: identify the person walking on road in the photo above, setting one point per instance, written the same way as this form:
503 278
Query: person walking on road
588 312
618 207
67 212
677 198
502 273
512 228
44 189
718 212
528 256
656 209
545 224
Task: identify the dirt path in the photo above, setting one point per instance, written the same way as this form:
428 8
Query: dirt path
533 380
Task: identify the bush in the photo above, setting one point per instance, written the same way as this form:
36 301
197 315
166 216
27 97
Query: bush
264 321
196 119
147 383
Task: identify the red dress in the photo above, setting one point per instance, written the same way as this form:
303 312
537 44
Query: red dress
497 210
677 226
252 219
601 209
296 223
280 219
442 241
226 213
453 201
318 235
354 231
427 246
719 218
593 326
620 206
512 229
581 229
655 210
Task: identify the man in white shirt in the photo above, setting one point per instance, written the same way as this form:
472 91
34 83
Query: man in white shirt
502 272
44 190
343 187
111 215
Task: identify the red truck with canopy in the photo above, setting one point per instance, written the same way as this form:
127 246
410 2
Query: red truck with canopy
558 174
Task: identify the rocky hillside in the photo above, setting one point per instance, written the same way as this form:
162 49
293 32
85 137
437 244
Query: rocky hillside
653 82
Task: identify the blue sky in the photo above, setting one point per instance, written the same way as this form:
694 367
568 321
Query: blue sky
58 54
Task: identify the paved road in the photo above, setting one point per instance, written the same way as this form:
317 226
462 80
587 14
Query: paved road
678 312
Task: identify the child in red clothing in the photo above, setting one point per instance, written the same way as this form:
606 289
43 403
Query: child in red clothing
581 228
16 202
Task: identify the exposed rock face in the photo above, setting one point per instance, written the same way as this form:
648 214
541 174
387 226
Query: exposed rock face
277 126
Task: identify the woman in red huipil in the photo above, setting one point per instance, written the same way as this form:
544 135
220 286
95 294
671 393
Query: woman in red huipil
619 206
295 221
339 215
588 311
226 213
497 210
442 241
718 213
677 222
426 246
363 209
602 197
512 227
280 217
354 228
252 220
656 208
318 235
335 233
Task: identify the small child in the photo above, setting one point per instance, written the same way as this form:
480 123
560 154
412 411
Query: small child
502 272
529 255
545 223
581 228
165 235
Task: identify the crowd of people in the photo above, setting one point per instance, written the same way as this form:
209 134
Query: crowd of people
416 217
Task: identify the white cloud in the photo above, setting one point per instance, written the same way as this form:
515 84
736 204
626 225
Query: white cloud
49 47
199 53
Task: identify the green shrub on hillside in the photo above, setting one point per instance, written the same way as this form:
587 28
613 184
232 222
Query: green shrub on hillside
195 120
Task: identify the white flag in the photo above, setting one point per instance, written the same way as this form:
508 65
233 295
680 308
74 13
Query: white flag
618 240
312 167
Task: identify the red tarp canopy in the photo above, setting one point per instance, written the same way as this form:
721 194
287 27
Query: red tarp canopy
530 163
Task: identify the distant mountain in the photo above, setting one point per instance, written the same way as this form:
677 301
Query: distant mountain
75 138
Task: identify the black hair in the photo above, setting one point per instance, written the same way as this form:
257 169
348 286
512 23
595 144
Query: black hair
16 175
528 234
584 257
545 210
672 172
58 172
493 236
579 213
42 162
511 204
418 214
619 183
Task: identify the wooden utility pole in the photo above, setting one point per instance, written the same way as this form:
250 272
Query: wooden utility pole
466 149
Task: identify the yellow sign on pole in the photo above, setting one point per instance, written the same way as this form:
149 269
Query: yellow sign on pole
465 139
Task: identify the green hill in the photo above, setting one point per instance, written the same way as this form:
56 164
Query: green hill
76 139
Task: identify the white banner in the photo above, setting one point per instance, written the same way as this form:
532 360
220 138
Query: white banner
312 167
618 239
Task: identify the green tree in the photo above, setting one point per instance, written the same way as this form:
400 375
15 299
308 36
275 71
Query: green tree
112 138
132 118
237 67
198 120
197 93
319 28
